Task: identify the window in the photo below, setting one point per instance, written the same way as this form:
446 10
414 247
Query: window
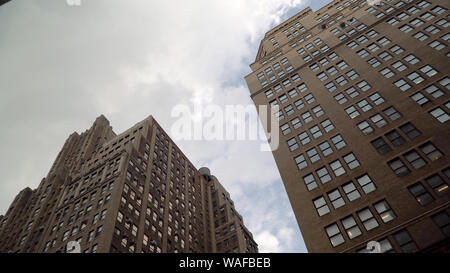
411 59
385 56
362 53
404 241
376 98
299 104
301 162
378 120
292 93
437 45
430 151
416 22
334 234
419 192
318 111
337 168
351 191
310 182
285 129
323 174
428 70
365 127
442 220
352 112
304 138
367 219
327 125
330 86
396 49
374 62
296 123
387 73
437 184
381 146
342 65
351 161
351 227
289 110
316 132
307 117
395 138
283 99
336 199
405 28
332 71
313 155
364 105
385 211
279 115
292 144
421 36
302 87
352 92
398 167
409 130
434 91
363 85
373 47
366 183
402 85
392 113
322 76
352 75
440 115
321 206
432 29
341 81
341 99
310 98
419 98
338 142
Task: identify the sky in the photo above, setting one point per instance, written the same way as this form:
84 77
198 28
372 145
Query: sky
61 66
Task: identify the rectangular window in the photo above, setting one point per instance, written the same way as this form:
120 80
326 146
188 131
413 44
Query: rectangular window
415 159
351 161
395 138
351 191
323 174
422 196
392 113
316 132
351 227
366 183
341 99
307 117
437 45
440 115
367 219
337 168
402 85
336 199
318 111
437 184
296 123
313 155
334 234
321 206
385 211
327 125
442 220
404 241
398 167
292 144
387 73
409 130
310 182
431 151
378 120
365 127
352 112
381 146
301 162
304 138
338 142
434 91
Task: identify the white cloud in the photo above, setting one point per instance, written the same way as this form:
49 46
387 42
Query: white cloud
62 66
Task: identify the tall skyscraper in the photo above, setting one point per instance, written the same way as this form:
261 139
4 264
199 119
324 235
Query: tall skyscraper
133 192
363 101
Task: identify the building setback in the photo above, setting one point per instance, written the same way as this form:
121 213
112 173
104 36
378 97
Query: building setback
364 122
133 192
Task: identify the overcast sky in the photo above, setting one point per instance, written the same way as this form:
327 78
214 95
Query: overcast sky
61 66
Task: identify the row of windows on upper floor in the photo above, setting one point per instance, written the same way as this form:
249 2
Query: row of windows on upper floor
365 217
332 57
415 159
402 238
